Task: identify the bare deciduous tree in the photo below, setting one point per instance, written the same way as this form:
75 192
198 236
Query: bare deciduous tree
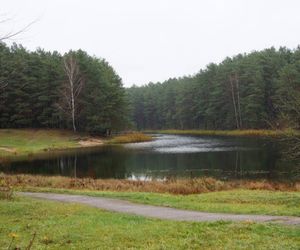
9 35
237 83
235 94
234 102
71 88
12 33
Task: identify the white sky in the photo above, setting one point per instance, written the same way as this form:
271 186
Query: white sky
153 40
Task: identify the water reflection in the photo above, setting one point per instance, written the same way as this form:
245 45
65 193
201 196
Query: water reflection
188 144
166 157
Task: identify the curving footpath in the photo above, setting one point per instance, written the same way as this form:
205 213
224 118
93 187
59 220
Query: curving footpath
158 212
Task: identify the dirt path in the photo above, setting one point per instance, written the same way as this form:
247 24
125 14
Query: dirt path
122 206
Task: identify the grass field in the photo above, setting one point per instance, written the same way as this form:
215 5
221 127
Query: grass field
246 132
234 201
71 226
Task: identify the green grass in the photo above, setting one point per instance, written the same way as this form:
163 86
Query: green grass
71 226
234 201
24 142
19 142
246 132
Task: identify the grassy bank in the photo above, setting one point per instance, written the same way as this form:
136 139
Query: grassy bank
20 142
71 226
246 132
26 142
205 194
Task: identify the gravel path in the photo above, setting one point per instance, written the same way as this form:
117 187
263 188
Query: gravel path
122 206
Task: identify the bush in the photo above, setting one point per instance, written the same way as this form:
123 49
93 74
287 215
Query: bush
6 192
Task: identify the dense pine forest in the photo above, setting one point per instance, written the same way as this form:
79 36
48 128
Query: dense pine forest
42 89
256 90
48 90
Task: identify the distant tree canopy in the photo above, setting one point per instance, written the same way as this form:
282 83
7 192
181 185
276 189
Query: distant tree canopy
34 91
256 90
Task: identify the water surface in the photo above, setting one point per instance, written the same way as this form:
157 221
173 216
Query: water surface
168 156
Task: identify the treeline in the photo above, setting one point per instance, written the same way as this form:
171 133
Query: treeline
43 89
256 90
48 90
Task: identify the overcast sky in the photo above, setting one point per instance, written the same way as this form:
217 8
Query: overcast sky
153 40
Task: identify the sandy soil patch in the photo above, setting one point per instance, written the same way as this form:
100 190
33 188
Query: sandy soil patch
6 149
90 142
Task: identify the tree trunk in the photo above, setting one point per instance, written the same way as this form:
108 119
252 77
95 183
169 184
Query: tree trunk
71 89
238 99
73 107
233 101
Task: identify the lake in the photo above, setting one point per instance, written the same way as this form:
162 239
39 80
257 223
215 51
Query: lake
168 156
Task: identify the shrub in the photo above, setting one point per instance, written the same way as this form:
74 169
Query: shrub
6 192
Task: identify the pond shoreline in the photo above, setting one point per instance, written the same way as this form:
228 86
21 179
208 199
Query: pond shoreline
26 142
174 186
34 142
236 133
165 157
29 142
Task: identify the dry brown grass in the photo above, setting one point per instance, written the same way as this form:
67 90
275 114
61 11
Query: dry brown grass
131 137
179 186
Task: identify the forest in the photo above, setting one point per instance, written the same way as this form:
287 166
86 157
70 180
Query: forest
48 90
259 90
77 91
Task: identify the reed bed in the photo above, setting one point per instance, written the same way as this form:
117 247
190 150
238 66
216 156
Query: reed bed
173 186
